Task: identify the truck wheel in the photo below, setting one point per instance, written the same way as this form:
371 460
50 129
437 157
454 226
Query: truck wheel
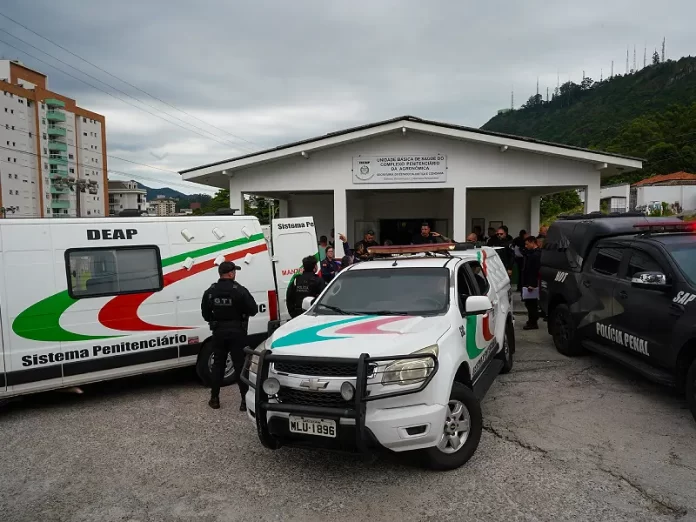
204 366
563 332
691 389
505 354
461 431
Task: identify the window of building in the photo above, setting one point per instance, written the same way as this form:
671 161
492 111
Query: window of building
84 120
16 176
45 150
70 156
43 121
5 109
72 171
11 111
112 271
84 133
44 135
14 144
30 134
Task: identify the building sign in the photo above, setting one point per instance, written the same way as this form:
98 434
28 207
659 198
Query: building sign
400 169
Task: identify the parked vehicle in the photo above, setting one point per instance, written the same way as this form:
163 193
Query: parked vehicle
625 287
88 300
396 353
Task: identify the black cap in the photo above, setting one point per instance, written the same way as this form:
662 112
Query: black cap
226 267
370 232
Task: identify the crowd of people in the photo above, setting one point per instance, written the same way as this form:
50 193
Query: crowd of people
522 251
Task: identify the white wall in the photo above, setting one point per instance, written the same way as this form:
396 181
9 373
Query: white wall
684 194
512 207
470 166
88 134
616 191
319 206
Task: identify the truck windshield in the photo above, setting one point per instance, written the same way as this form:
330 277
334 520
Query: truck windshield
685 256
384 291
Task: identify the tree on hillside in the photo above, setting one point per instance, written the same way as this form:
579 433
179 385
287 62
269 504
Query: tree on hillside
587 83
655 58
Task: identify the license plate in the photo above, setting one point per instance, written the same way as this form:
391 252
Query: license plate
313 426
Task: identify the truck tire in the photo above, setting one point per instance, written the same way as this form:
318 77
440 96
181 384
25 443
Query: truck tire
204 366
461 432
506 354
563 332
691 388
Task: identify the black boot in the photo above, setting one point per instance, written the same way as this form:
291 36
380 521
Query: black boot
242 406
214 403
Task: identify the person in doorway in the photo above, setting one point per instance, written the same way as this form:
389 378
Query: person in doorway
368 240
332 266
331 239
479 233
472 238
427 236
307 284
530 282
323 243
346 261
501 241
507 233
518 250
491 234
226 306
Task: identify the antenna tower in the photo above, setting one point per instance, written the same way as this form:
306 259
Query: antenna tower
645 57
627 60
663 49
635 66
612 69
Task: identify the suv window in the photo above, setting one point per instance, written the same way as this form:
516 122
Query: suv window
388 291
481 281
607 261
641 262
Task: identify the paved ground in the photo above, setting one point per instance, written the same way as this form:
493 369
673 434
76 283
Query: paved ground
565 439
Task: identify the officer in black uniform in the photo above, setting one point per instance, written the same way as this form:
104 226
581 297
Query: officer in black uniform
307 284
227 306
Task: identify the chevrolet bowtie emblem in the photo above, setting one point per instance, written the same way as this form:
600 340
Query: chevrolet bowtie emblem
314 384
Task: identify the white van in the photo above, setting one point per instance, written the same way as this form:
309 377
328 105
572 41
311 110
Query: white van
88 300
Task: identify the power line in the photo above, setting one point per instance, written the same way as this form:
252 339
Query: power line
109 155
116 97
117 90
180 184
124 81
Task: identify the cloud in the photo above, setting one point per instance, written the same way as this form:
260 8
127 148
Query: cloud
264 73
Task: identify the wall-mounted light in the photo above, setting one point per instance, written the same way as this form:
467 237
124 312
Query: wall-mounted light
504 148
601 166
403 131
305 155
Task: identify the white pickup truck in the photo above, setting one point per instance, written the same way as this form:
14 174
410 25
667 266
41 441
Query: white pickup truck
396 353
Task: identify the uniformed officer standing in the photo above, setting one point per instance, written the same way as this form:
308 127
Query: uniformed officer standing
307 284
227 306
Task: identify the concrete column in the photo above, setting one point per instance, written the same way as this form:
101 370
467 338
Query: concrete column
283 208
460 227
340 220
535 215
592 197
236 199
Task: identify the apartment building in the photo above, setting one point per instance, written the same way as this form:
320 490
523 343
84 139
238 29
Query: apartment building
126 195
52 152
162 207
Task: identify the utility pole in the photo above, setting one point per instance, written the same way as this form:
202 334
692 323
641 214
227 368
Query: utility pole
512 100
601 75
547 95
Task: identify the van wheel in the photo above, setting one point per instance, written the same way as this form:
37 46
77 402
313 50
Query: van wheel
563 332
461 431
204 366
691 389
505 354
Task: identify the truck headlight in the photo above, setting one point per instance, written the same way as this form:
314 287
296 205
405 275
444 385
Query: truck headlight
254 363
411 371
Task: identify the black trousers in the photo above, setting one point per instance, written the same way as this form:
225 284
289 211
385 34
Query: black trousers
519 261
224 343
533 310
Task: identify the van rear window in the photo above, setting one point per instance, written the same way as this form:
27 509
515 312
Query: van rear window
99 272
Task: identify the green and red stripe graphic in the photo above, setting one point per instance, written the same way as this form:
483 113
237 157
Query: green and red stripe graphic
41 321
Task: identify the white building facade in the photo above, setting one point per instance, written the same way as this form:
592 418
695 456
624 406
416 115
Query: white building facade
162 207
126 195
392 175
45 160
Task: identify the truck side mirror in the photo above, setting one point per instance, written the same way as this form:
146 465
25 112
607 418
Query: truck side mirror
650 281
307 303
477 305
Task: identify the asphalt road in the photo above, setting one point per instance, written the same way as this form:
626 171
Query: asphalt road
565 439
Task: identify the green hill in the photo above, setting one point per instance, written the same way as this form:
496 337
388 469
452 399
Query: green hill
649 114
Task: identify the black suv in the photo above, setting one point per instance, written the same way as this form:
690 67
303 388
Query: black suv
624 286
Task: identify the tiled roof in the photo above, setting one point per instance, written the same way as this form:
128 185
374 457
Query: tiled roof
665 178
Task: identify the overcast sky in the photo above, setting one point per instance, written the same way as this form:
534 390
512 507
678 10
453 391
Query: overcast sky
269 72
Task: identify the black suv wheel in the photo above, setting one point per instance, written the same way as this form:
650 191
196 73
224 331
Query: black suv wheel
563 332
